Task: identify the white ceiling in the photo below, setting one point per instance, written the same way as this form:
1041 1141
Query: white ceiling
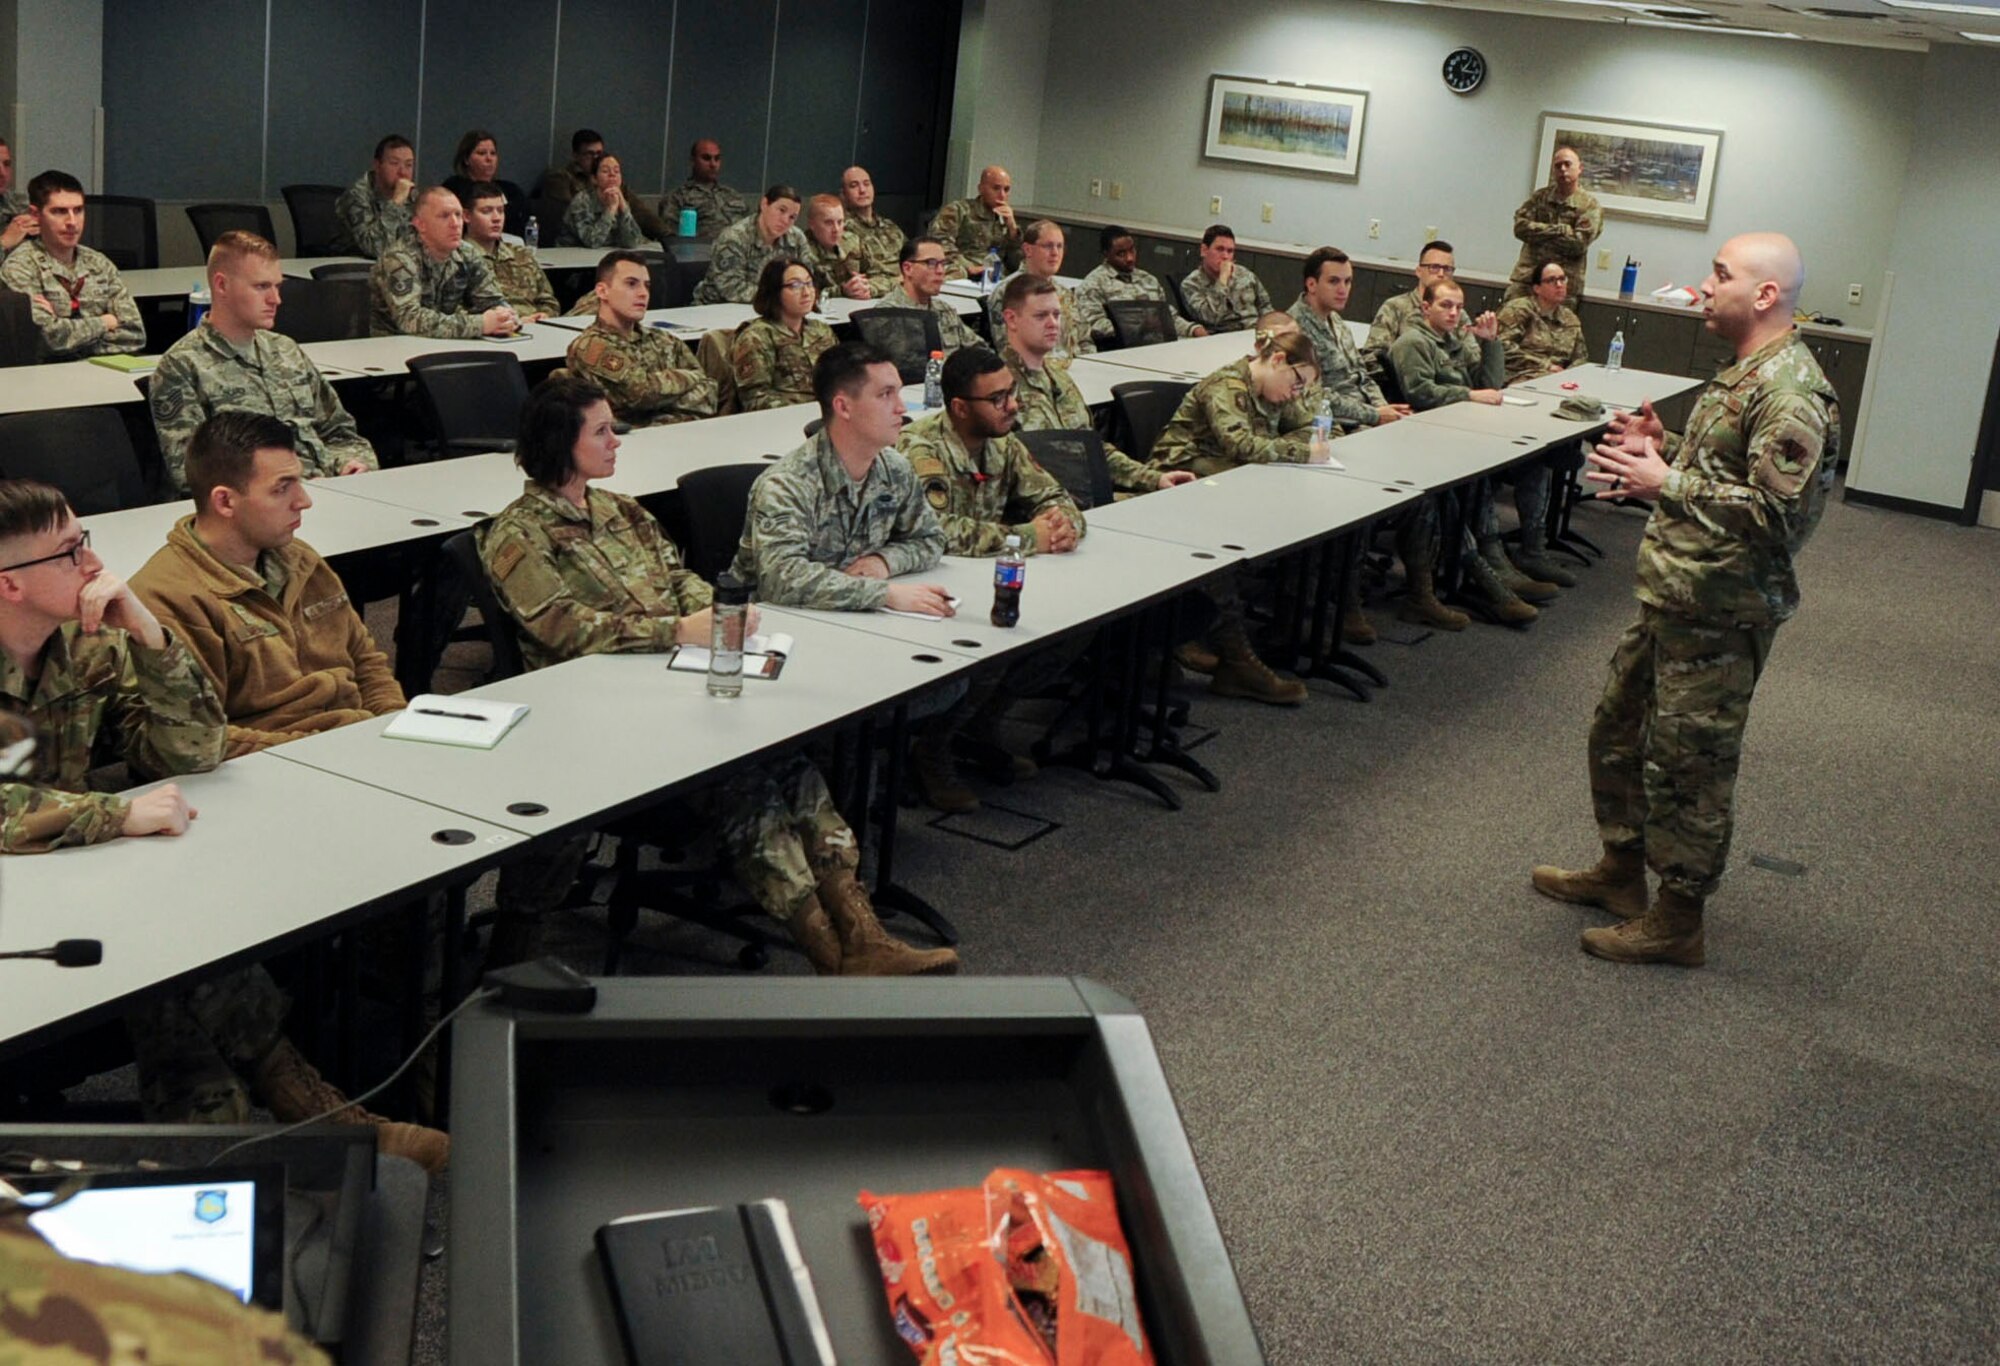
1866 23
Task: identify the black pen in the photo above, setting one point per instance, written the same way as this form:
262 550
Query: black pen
454 715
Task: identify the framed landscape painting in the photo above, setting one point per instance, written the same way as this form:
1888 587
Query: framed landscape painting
1638 170
1312 128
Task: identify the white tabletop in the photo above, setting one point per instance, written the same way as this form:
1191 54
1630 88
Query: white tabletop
277 850
359 356
1421 456
840 309
162 282
1190 358
1254 511
609 732
1094 378
1627 388
1524 418
970 289
64 384
339 522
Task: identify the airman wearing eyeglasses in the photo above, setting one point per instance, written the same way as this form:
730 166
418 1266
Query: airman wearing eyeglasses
923 263
1400 312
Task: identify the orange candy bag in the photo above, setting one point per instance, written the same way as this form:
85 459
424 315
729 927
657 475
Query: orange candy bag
1025 1269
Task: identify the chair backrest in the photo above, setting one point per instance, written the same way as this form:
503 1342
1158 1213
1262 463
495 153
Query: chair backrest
212 220
1076 459
715 502
125 228
461 552
909 335
323 310
1390 382
717 354
690 274
20 341
472 399
1145 407
1141 322
85 452
312 217
344 270
548 215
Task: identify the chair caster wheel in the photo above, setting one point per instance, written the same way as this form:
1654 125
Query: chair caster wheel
752 958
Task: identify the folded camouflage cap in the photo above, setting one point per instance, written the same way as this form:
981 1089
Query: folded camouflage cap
1581 408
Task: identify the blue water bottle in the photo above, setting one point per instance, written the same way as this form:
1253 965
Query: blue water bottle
1629 281
991 280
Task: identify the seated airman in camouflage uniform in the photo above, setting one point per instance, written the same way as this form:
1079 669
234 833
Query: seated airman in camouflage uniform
715 205
922 265
99 678
236 362
568 179
17 219
839 269
433 283
582 571
373 213
76 299
880 236
1120 278
601 216
1399 312
1735 500
522 283
974 227
775 351
1041 259
650 375
1542 336
741 249
1220 296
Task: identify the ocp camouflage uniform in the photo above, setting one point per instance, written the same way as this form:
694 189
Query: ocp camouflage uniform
808 521
1747 486
58 1311
881 241
832 267
604 579
739 257
416 296
715 207
1050 401
205 373
1343 375
649 374
953 331
1075 341
520 280
1395 316
1224 422
969 230
13 203
982 500
586 224
78 295
774 365
1552 228
366 224
1104 286
1234 307
1539 343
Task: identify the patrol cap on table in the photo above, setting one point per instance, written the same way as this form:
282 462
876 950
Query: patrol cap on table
1581 408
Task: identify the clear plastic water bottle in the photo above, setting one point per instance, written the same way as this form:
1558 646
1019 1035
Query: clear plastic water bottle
990 281
531 233
1010 575
1616 360
934 382
1322 437
197 304
729 613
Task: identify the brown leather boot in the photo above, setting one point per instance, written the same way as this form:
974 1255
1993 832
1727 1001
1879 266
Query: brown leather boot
1420 606
935 774
813 932
1520 584
1668 933
294 1090
1241 673
1196 657
1617 884
1482 582
1355 628
866 949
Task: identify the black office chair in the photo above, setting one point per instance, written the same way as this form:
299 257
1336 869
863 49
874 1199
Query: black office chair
212 220
344 270
1141 322
85 452
548 216
124 228
313 222
1145 407
20 341
715 502
1076 459
1389 381
907 335
690 274
471 399
323 310
668 290
460 552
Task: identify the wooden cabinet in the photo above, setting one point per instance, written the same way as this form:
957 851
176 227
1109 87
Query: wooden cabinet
1653 341
1846 364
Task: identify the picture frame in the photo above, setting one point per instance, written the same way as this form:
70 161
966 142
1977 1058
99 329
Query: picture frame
1660 171
1288 124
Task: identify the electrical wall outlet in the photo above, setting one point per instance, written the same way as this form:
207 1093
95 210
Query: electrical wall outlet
1215 203
1604 258
1269 209
1854 294
1375 227
1117 189
1096 188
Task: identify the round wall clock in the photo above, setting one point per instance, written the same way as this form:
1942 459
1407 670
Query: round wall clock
1464 70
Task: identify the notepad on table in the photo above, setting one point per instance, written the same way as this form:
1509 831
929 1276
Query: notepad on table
472 722
920 616
131 365
763 656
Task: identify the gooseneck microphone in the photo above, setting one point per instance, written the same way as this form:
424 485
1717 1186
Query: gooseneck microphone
66 953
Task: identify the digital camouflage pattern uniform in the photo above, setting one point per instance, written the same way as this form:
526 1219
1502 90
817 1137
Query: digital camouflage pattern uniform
953 330
14 203
416 296
586 224
969 230
1050 401
1224 422
1075 341
715 207
204 373
1539 343
1105 286
649 374
366 224
739 257
55 1311
1343 375
1437 370
1234 307
1395 316
982 500
521 280
808 521
881 240
774 366
1747 486
1552 228
78 295
604 579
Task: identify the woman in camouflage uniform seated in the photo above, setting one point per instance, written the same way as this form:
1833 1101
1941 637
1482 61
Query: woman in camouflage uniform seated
775 351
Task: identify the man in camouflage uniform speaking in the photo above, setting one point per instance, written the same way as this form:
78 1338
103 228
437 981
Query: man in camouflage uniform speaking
1735 498
235 362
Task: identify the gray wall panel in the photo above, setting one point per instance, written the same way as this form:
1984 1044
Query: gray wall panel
338 88
905 72
183 100
614 73
722 85
819 79
485 67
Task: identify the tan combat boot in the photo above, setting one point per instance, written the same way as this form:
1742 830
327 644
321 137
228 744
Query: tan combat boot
868 950
935 773
813 932
1520 584
1617 884
1355 628
1242 674
1482 582
1196 657
294 1090
1420 605
1668 933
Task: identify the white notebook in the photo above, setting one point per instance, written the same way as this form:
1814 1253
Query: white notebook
763 656
473 722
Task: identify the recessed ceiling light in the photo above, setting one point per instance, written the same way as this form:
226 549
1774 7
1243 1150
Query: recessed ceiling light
1983 11
1980 37
1708 28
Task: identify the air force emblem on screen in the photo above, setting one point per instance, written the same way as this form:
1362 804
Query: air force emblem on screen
211 1207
